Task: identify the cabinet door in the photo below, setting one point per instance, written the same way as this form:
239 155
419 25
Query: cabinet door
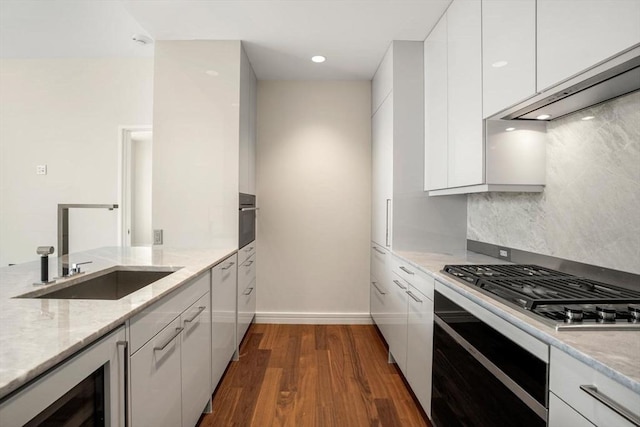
508 53
420 346
398 322
575 35
196 360
464 59
382 83
246 310
379 301
563 415
155 380
382 172
223 316
435 107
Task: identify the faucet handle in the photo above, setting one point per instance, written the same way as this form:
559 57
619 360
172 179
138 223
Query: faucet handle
75 267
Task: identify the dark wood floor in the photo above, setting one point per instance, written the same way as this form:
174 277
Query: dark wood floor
313 375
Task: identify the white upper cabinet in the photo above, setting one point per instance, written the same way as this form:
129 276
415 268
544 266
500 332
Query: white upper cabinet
463 152
508 53
464 86
435 106
247 146
575 35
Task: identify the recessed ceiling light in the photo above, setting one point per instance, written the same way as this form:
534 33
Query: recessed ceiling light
543 117
588 118
499 64
318 59
142 39
212 73
510 129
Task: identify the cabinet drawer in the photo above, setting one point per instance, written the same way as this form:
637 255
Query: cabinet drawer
151 320
246 252
563 415
196 360
380 262
246 273
568 375
414 276
156 379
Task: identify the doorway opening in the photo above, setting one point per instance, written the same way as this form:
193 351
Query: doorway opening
136 161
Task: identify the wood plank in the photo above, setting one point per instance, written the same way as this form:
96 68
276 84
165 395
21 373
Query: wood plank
313 375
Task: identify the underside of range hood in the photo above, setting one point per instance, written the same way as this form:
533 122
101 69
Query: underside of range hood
611 79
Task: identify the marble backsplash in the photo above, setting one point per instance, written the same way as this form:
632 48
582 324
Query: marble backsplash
590 209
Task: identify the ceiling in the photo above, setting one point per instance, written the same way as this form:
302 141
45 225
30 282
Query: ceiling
280 36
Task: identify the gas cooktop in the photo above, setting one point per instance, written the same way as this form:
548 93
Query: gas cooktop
561 300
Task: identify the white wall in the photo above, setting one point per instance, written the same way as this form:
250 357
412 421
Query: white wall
65 113
141 186
195 142
314 193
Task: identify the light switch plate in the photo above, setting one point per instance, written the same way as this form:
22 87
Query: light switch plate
41 169
157 237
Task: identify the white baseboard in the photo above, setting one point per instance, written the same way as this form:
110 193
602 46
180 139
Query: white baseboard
314 318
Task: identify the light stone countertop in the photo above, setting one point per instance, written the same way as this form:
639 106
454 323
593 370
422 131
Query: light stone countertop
37 334
616 354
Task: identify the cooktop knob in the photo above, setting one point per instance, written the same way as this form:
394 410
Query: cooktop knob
634 311
606 313
573 313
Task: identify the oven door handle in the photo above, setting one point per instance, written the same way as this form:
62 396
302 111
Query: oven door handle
522 394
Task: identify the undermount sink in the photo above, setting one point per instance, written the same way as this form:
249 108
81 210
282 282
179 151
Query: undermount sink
111 285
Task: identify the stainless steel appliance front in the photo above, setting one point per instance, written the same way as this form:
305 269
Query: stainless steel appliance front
247 219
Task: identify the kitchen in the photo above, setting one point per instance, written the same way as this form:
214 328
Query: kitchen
588 200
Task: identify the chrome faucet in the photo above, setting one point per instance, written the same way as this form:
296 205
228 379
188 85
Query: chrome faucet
63 233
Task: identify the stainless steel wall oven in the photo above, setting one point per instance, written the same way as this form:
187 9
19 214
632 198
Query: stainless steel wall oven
247 220
480 376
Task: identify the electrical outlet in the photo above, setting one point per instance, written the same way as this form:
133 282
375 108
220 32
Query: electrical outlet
504 253
157 237
41 169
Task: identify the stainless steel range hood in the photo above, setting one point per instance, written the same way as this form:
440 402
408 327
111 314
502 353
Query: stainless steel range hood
615 77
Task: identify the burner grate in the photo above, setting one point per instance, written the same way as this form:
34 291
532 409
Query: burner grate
473 273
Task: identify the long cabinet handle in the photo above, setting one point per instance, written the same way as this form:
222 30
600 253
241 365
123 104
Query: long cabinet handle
376 286
231 264
592 391
173 337
406 270
380 251
249 249
387 242
249 291
397 282
124 369
200 310
249 209
415 298
247 264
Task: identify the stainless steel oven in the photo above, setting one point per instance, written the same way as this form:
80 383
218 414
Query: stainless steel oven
247 219
480 376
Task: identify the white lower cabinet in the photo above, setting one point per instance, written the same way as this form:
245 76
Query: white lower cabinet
594 396
397 339
223 316
420 346
155 380
170 374
563 415
196 360
403 311
246 294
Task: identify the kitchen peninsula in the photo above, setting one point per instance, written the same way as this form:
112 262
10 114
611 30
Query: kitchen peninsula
37 334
